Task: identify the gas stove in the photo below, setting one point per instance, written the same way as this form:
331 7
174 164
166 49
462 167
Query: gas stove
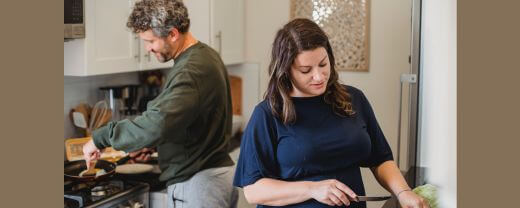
106 194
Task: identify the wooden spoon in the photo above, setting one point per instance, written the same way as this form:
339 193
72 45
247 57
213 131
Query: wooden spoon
91 170
105 116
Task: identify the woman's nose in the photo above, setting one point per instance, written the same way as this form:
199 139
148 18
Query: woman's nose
317 76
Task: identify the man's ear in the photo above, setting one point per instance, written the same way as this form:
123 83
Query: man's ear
173 34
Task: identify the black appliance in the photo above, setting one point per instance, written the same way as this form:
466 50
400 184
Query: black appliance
105 194
74 19
122 99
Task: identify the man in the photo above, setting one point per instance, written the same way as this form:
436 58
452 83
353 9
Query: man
190 120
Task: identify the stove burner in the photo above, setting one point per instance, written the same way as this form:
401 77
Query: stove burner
109 188
80 186
98 191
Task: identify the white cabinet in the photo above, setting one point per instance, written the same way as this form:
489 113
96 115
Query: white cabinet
220 24
110 47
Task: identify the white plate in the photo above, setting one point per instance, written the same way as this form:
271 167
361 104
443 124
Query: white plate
136 168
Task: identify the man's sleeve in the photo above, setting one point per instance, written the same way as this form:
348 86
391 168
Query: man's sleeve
167 116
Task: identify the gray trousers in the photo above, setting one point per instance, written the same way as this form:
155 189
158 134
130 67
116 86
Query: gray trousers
210 188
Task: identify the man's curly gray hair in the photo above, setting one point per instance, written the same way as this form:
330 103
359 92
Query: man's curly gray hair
160 16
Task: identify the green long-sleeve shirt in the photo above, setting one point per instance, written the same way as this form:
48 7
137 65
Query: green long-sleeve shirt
189 121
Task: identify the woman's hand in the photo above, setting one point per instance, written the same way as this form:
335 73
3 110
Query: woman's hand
408 199
332 192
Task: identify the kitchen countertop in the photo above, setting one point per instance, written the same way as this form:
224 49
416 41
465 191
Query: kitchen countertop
150 178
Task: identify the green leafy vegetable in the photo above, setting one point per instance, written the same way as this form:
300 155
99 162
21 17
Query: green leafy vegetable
428 192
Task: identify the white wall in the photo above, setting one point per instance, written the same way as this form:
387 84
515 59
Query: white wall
389 51
263 19
438 113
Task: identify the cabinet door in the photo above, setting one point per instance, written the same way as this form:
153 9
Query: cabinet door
148 61
199 14
110 46
227 29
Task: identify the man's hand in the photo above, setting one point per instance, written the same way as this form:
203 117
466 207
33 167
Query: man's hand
90 152
141 156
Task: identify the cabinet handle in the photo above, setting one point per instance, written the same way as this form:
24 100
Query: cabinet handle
410 79
147 55
138 54
219 36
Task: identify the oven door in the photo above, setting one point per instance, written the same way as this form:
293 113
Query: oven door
137 197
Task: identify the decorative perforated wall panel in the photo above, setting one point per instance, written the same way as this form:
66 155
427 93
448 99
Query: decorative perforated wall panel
346 22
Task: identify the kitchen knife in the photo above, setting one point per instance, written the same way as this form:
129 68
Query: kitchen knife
373 198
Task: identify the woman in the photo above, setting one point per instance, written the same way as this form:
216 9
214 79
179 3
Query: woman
305 143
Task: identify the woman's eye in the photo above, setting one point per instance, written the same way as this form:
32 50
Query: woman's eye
305 72
323 65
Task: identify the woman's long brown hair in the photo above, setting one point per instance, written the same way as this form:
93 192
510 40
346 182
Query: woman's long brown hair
295 37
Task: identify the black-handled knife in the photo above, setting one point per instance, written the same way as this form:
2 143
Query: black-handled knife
373 198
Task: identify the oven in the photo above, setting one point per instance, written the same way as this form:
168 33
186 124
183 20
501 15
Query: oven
74 19
107 194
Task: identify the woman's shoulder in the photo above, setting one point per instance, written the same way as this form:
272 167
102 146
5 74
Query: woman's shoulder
358 98
261 120
262 109
353 91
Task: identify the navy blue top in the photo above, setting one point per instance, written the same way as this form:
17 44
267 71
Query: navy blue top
320 145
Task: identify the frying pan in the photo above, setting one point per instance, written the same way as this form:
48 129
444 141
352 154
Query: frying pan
74 168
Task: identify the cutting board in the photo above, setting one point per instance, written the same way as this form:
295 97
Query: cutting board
236 94
74 150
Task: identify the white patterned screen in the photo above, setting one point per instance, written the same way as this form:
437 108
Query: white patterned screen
346 22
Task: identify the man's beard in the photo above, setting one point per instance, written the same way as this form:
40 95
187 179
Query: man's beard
164 55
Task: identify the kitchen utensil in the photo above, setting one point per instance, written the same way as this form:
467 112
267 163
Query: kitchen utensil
105 116
94 115
84 109
90 170
79 116
113 97
373 198
98 113
74 168
136 168
79 120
